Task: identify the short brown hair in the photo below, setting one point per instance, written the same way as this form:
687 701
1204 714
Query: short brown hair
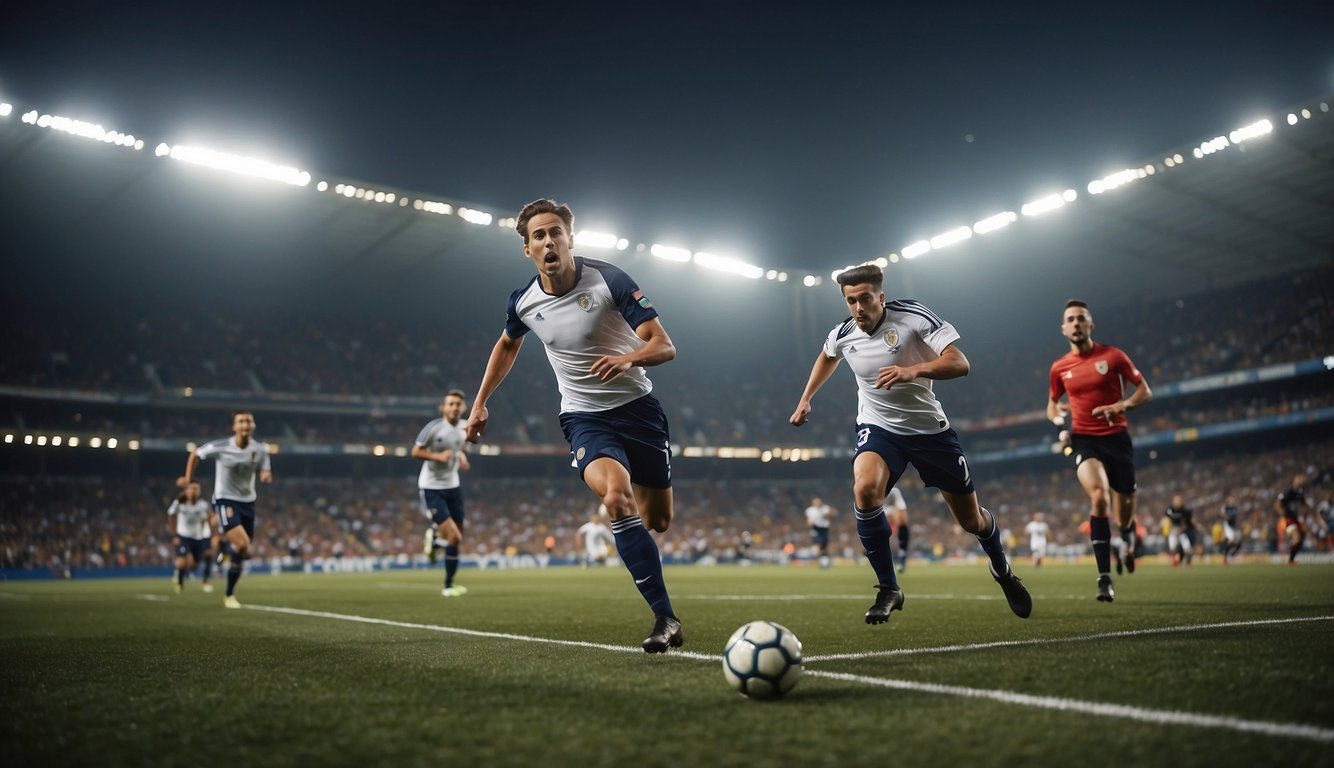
239 412
1076 303
866 273
543 205
456 393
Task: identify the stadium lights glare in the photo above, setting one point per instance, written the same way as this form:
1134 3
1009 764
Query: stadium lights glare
1252 131
916 249
9 439
82 129
96 442
74 441
670 253
111 442
729 265
1043 205
245 166
5 108
431 206
1114 180
473 216
588 239
41 439
993 223
946 239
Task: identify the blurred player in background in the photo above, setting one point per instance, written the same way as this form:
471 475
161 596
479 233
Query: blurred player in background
190 535
1094 376
600 332
1291 505
441 445
898 520
1232 540
1181 535
817 517
241 460
593 540
895 350
1037 530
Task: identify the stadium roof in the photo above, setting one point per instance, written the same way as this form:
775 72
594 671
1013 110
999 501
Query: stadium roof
1197 217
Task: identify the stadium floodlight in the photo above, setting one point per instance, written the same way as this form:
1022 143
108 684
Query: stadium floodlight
41 439
1252 131
913 250
995 222
946 239
96 442
1306 113
31 117
133 445
834 275
9 439
56 441
810 281
1216 144
74 441
587 238
670 252
782 276
1113 180
5 108
112 442
431 206
1043 204
82 129
729 265
1292 119
893 258
238 164
473 216
322 186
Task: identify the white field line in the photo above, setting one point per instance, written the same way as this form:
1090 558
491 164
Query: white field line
1054 640
1156 716
1142 714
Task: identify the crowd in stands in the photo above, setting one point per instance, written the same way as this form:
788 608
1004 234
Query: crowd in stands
70 523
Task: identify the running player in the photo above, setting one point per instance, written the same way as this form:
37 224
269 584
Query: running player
1179 538
817 516
593 540
894 351
241 459
190 535
1291 504
441 447
1232 540
600 332
1094 376
898 520
1037 530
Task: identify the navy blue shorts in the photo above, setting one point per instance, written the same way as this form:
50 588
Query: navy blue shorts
194 548
234 513
634 434
820 536
938 458
443 504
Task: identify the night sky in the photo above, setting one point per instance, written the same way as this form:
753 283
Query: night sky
807 138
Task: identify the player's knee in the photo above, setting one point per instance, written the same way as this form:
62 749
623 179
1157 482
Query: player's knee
868 495
620 503
659 520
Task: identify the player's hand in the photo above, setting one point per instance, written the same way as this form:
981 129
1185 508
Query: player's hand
610 367
265 476
182 481
800 415
476 424
464 464
893 374
1109 411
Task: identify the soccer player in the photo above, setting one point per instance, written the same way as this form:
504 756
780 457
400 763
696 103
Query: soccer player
895 350
593 539
241 459
190 535
441 445
1291 504
1094 376
600 332
817 516
898 520
1231 531
1037 530
1180 539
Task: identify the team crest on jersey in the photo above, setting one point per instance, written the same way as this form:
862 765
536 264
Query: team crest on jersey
642 300
892 339
254 455
1101 367
585 301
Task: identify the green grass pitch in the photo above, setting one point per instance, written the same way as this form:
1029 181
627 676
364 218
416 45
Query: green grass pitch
1194 666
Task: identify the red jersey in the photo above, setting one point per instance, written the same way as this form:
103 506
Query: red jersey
1090 380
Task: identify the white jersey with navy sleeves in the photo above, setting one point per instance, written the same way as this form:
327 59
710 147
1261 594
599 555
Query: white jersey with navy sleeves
439 435
598 317
908 334
191 518
237 467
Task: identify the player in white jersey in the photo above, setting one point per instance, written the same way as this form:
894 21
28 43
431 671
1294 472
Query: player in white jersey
190 535
241 460
593 540
898 520
817 516
441 446
895 350
1037 530
600 332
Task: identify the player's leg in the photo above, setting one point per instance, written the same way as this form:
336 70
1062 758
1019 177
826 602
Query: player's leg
980 522
901 531
182 560
1093 479
655 507
1123 504
1297 537
871 480
237 529
449 529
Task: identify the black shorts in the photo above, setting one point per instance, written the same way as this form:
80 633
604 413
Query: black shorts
1116 453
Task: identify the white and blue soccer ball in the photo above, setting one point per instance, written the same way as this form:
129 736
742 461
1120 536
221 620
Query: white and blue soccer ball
762 660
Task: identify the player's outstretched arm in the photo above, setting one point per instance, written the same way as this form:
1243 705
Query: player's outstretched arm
498 367
658 349
820 373
190 465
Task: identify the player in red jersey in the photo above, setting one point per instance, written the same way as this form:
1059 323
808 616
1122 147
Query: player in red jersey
1094 377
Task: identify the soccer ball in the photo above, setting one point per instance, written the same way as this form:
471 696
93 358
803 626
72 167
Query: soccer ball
762 660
